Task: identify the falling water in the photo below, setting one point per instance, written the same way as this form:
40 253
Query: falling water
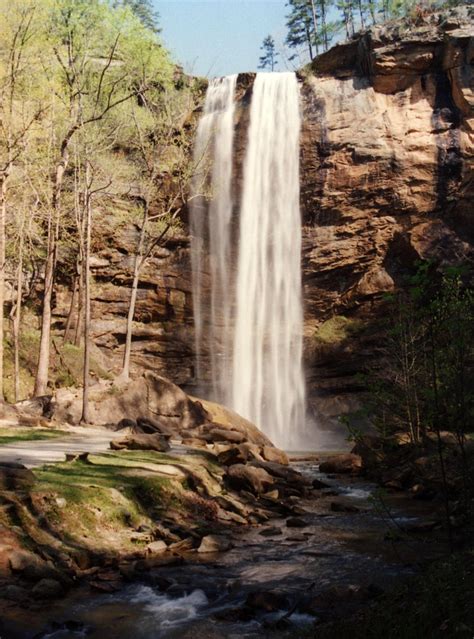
255 325
210 230
267 380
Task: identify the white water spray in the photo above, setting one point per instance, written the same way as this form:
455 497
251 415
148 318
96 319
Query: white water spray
255 324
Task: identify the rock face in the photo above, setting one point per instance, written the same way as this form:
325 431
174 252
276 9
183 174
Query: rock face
386 179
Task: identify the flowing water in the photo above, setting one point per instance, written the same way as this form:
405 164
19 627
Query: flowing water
210 229
253 329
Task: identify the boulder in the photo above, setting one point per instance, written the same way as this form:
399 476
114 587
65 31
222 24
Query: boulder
47 589
296 522
15 476
214 543
267 600
155 442
273 454
246 477
344 464
157 547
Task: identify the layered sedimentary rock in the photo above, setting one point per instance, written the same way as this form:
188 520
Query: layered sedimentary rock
387 178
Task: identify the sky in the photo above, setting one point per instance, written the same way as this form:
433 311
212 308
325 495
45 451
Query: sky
219 37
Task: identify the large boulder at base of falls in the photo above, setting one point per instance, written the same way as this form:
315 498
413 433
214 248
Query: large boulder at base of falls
153 405
149 397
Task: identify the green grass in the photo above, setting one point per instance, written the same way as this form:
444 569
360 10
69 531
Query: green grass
438 604
11 435
336 329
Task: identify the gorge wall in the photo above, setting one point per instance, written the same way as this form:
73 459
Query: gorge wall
387 178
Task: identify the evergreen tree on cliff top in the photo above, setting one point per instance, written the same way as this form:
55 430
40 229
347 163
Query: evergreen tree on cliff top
144 11
269 58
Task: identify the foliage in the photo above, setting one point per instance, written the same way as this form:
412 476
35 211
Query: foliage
309 28
336 329
437 604
268 60
426 383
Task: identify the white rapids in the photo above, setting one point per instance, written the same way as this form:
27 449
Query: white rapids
255 323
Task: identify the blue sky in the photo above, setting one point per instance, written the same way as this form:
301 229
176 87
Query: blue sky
219 37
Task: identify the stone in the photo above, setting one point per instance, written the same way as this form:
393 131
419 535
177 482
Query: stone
343 507
245 477
157 547
14 476
47 589
346 463
155 442
319 485
270 532
267 600
272 454
296 522
214 543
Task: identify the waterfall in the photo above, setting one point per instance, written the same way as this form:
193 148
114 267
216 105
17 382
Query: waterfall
256 319
267 379
210 231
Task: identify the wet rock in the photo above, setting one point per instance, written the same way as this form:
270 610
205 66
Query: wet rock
346 463
249 477
214 543
217 434
267 600
270 532
155 442
319 485
47 589
296 522
242 613
343 507
297 538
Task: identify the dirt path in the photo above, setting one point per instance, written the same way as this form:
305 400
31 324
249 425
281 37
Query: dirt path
37 453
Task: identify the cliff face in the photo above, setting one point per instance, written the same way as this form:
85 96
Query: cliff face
386 179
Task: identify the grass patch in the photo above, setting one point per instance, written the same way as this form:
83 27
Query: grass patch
336 329
10 435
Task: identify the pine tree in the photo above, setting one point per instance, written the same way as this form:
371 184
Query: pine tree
269 58
144 11
301 28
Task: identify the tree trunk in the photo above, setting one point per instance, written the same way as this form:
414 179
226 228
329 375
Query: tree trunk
72 305
87 311
315 24
3 211
41 382
17 320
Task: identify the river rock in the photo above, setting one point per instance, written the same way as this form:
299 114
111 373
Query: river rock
296 522
47 589
346 463
267 600
157 547
214 543
246 477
